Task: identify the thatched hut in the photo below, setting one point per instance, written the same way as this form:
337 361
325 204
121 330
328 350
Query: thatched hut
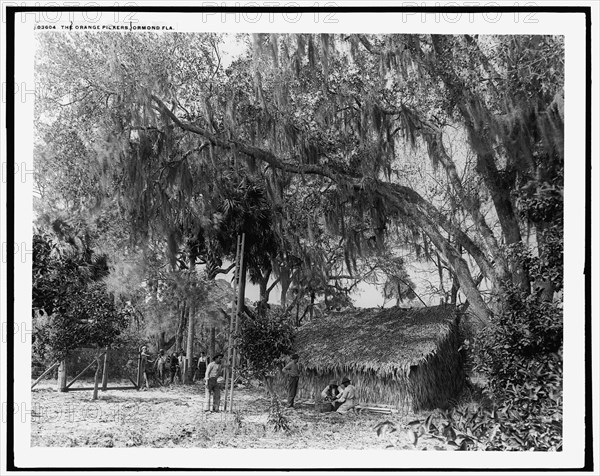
407 358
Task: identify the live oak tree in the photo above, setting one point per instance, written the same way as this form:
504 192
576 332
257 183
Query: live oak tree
333 117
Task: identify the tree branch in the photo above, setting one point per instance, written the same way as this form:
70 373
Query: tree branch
270 288
225 270
251 151
423 215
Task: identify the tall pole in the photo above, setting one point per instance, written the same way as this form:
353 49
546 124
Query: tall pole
231 319
187 372
240 305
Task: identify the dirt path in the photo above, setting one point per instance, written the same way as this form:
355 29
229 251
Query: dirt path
174 417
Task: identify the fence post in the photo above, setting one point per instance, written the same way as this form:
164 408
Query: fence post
62 376
139 371
105 372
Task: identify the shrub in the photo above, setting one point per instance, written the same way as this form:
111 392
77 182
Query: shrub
264 341
277 420
522 357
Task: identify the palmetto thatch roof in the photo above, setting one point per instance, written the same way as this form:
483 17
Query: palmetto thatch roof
384 341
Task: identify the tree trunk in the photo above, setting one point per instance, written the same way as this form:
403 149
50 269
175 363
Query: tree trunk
262 288
547 288
62 376
263 293
242 286
181 325
454 291
189 355
478 130
212 342
163 343
500 194
105 372
188 372
461 269
441 276
410 205
284 277
139 378
437 149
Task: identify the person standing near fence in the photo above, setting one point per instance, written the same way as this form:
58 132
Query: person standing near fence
161 364
144 362
202 363
174 366
213 372
293 373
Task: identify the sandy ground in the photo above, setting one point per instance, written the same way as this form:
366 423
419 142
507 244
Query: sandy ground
174 417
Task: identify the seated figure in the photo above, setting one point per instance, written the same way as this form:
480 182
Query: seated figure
347 399
329 395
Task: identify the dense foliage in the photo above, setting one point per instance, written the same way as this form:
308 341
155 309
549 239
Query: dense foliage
264 343
71 307
522 358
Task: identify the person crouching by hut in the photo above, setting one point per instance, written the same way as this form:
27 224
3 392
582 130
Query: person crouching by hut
347 399
211 385
330 394
293 373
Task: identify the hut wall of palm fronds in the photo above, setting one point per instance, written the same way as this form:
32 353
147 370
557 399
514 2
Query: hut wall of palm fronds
407 358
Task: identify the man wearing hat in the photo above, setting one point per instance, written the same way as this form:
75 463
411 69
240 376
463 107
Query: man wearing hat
293 373
211 385
347 399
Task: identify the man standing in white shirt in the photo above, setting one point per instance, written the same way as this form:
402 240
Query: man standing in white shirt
213 371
